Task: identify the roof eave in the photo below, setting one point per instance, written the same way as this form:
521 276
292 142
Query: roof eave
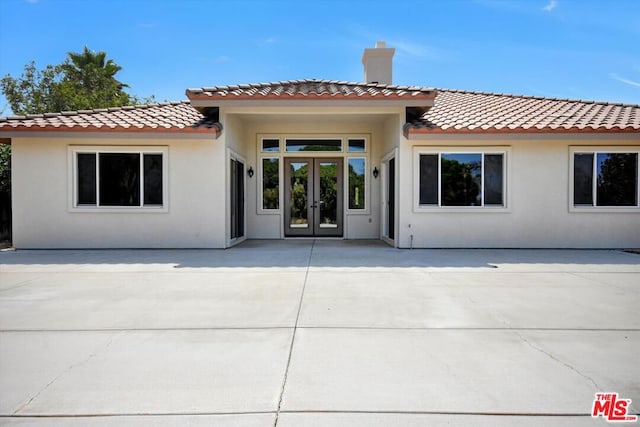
361 102
214 129
412 132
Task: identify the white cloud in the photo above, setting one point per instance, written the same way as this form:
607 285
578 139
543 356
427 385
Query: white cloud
614 76
552 5
269 40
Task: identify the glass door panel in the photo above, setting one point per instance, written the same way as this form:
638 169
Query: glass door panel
299 185
327 200
328 196
298 197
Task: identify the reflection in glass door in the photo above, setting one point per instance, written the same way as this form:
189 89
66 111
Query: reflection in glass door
313 197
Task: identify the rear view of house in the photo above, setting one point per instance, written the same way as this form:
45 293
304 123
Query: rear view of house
414 166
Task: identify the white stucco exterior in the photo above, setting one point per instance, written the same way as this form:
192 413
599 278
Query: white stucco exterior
537 212
42 217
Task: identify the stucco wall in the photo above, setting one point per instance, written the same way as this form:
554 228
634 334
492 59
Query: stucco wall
538 214
41 192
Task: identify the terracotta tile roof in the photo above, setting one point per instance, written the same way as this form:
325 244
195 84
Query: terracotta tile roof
178 117
311 89
454 111
457 111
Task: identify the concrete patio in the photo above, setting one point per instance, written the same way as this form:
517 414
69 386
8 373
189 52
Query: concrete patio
316 333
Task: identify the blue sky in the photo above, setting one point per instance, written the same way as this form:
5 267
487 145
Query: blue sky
582 49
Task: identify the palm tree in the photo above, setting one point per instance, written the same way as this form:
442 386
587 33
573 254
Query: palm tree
89 81
88 59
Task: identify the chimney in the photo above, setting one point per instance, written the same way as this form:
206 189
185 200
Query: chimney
378 64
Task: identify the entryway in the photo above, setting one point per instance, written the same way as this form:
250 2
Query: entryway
313 196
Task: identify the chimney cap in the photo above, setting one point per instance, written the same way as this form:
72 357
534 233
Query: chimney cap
381 44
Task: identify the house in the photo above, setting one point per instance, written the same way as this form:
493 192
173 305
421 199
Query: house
413 166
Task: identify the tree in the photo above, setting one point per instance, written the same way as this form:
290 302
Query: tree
88 81
461 183
84 80
617 180
36 91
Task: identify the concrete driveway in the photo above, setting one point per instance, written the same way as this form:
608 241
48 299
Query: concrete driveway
316 333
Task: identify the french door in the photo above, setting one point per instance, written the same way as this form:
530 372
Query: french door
313 196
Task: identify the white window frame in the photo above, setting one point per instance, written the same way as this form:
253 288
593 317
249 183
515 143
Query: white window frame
270 153
261 208
73 152
483 150
595 150
367 182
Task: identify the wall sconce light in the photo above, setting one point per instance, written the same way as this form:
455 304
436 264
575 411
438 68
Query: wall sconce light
250 172
376 172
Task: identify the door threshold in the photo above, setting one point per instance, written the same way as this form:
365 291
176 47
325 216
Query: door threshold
313 238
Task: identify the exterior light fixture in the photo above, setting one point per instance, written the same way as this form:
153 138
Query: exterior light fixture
250 172
376 172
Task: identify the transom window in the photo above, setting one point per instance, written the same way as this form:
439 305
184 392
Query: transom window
270 145
605 179
294 145
461 179
114 179
356 146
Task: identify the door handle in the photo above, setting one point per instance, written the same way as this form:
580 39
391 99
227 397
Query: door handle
314 205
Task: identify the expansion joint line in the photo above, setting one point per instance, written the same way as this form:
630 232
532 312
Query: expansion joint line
293 335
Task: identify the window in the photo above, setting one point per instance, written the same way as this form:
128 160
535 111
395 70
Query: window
313 145
117 179
356 183
461 179
270 183
605 179
356 146
270 145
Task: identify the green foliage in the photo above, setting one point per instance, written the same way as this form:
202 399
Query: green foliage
299 182
461 183
36 91
271 184
5 168
356 186
85 80
617 180
328 192
89 82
